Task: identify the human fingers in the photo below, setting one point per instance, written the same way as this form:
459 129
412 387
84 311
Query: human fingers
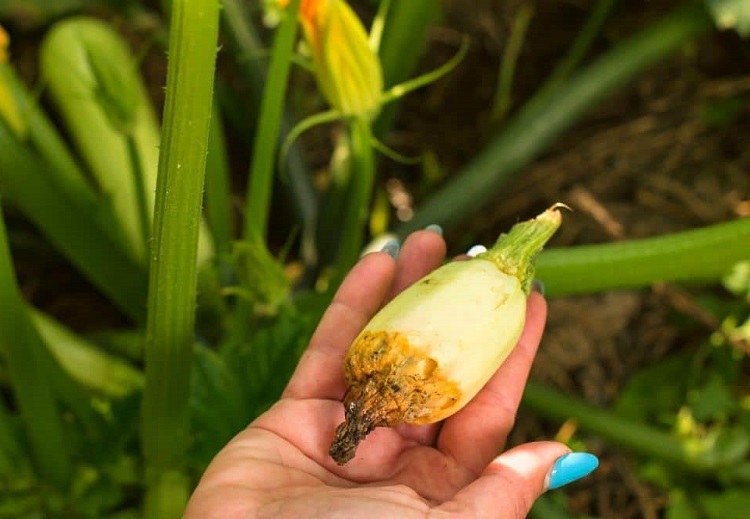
488 417
318 374
361 294
512 482
422 252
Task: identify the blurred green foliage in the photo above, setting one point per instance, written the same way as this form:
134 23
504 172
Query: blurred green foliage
80 163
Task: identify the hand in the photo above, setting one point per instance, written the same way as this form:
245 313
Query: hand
279 466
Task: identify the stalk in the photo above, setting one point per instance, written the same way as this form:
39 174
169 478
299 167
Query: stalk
549 113
218 187
29 377
704 254
582 43
515 252
267 134
143 214
502 103
301 192
631 435
357 202
403 41
172 285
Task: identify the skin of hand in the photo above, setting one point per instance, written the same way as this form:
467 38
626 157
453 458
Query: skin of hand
279 467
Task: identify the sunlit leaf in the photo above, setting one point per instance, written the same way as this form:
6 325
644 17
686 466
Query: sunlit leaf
731 14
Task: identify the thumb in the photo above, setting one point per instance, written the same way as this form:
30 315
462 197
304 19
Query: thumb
512 482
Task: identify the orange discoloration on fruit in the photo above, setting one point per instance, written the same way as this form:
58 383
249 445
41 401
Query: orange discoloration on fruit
389 383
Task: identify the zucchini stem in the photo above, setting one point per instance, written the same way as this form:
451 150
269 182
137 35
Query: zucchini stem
515 252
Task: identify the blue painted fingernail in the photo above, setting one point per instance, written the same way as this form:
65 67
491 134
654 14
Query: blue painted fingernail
434 228
391 248
538 286
571 467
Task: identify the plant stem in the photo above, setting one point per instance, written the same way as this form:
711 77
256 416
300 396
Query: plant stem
267 134
218 188
551 112
173 275
582 43
30 381
515 252
357 202
634 436
139 187
403 41
300 190
502 103
703 254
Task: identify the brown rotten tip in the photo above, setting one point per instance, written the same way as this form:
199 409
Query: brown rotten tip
389 383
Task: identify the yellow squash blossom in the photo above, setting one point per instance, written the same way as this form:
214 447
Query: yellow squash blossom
8 107
3 45
348 70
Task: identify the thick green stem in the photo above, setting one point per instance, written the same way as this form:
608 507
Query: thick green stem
623 432
29 377
704 254
172 284
550 113
267 134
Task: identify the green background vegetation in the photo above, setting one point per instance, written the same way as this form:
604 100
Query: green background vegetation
165 251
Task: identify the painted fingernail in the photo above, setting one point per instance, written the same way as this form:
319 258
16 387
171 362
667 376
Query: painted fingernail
391 248
538 286
434 228
571 467
476 250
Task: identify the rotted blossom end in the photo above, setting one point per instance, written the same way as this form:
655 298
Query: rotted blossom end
389 383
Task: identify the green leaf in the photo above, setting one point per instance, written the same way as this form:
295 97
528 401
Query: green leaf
731 14
90 366
713 400
646 396
732 504
93 82
261 276
680 507
264 362
218 408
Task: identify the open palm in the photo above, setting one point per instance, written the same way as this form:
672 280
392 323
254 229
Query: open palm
279 466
